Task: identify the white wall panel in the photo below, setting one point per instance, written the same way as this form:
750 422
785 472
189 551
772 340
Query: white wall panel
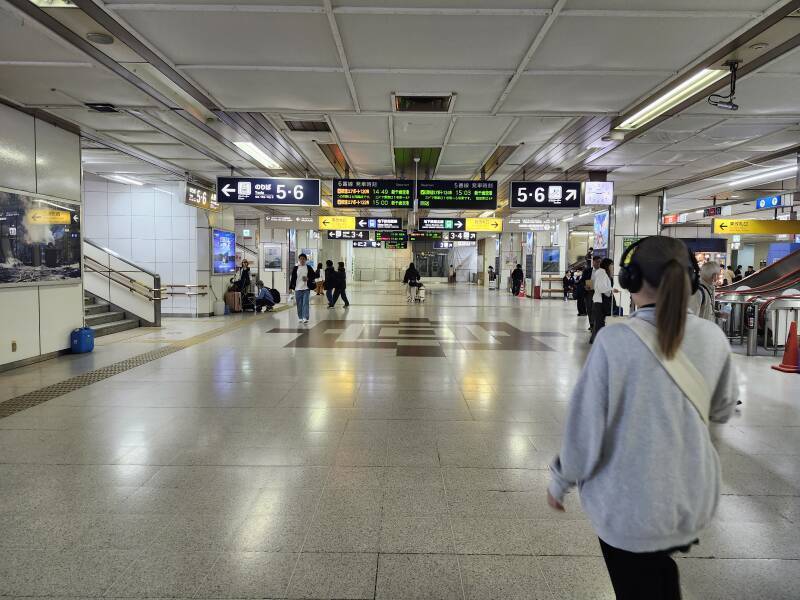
17 149
20 307
61 312
58 162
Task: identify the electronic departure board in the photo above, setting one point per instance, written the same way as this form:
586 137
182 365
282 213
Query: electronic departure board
415 236
457 195
395 245
391 236
373 193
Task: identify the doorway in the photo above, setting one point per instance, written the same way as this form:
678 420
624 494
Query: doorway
431 264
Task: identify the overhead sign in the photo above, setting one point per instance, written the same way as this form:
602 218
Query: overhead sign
769 202
482 224
436 194
416 236
276 191
48 216
347 234
337 222
755 226
545 194
464 236
366 244
598 192
442 245
529 224
428 224
395 245
201 196
378 223
373 193
673 219
391 236
712 211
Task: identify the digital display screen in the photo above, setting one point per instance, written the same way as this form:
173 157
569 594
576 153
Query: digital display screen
458 195
373 193
391 236
415 236
223 252
599 192
395 245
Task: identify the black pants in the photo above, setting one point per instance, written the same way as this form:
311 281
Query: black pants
343 294
579 303
587 307
642 576
515 285
600 310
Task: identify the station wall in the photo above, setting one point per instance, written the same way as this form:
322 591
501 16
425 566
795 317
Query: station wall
39 158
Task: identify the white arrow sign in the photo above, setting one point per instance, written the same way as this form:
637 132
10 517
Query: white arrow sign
572 194
227 190
361 223
458 224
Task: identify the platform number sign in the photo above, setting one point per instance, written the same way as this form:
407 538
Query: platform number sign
545 194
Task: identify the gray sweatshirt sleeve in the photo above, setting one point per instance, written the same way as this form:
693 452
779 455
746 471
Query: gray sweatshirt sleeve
585 427
725 396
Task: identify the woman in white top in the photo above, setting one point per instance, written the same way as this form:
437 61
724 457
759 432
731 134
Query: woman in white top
601 301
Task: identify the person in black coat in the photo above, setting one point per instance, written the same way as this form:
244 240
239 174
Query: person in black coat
517 275
341 286
330 281
411 279
579 291
301 283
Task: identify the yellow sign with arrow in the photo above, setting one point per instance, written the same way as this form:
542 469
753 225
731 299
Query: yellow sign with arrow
337 222
477 224
47 216
755 226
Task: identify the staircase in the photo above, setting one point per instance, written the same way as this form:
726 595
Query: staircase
103 320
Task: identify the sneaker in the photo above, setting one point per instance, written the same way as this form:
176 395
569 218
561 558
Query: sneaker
347 306
330 305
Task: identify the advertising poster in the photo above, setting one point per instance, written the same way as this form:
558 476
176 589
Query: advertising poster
271 257
601 231
550 260
311 253
40 240
223 252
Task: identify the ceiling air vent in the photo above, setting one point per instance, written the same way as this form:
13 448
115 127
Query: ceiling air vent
102 107
422 103
307 125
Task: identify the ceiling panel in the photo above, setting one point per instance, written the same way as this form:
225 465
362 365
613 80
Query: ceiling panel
139 137
708 5
773 142
171 151
630 43
732 133
238 38
479 130
368 154
420 130
669 156
24 40
443 3
101 121
471 155
635 172
577 93
626 154
475 92
454 172
425 41
271 90
362 128
535 130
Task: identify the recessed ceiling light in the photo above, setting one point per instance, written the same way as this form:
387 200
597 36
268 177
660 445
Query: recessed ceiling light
257 153
99 37
759 46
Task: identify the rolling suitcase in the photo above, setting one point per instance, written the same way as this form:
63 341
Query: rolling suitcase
233 300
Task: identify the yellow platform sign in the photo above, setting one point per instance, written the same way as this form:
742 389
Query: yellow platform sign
337 222
494 225
755 226
47 216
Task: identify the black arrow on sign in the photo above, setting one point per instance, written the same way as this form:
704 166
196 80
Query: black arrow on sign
325 222
723 226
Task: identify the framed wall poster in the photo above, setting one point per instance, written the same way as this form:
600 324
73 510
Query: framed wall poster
271 257
223 251
40 240
601 231
551 260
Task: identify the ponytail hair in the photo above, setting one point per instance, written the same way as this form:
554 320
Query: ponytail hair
672 304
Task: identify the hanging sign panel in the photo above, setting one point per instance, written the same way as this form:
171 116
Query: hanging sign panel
480 224
545 194
439 194
465 236
755 226
391 236
366 244
378 223
276 191
768 202
373 193
201 196
347 234
429 224
337 222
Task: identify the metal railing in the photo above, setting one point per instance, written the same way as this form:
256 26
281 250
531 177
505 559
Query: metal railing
188 287
133 285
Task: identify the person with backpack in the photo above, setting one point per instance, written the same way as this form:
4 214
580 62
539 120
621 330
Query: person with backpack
301 282
341 286
264 298
411 279
517 276
330 281
636 437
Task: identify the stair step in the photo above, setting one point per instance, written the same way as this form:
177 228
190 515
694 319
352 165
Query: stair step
89 300
105 317
114 327
96 308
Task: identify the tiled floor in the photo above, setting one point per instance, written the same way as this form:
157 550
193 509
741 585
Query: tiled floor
400 455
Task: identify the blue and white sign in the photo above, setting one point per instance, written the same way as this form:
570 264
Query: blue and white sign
768 202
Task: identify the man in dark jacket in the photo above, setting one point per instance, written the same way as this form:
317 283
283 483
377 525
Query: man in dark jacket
341 286
301 282
330 281
517 275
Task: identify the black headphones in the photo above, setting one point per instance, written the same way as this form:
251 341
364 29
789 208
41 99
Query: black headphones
631 276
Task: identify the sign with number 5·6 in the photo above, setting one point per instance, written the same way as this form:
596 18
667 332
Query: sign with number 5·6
545 194
276 191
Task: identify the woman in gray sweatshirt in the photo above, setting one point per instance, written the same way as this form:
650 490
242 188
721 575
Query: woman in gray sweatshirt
635 445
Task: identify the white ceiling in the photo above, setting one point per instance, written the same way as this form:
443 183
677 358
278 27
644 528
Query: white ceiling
281 58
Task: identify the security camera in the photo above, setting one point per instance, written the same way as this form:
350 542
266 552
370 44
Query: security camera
727 105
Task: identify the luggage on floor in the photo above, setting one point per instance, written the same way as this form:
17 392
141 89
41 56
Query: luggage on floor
276 296
421 294
248 302
81 340
233 300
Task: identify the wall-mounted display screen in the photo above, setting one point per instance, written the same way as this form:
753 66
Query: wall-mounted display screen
391 236
373 193
395 245
416 236
598 192
601 231
223 251
40 240
439 194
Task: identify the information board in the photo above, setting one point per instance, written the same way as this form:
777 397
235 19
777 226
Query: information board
347 234
391 236
465 236
366 244
416 236
768 202
223 251
373 193
378 223
756 226
545 194
275 191
442 245
201 196
712 211
598 192
395 245
436 194
431 224
484 224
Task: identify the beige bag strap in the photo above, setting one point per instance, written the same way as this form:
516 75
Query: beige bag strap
680 368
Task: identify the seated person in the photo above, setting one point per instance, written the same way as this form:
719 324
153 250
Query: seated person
263 297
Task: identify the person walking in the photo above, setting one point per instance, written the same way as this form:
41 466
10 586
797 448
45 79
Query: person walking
579 292
589 274
517 275
568 283
601 296
411 279
702 301
341 286
301 283
636 436
330 281
320 286
451 274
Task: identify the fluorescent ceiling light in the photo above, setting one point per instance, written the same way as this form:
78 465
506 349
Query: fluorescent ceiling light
673 97
567 219
123 179
487 213
765 177
54 3
257 153
699 211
